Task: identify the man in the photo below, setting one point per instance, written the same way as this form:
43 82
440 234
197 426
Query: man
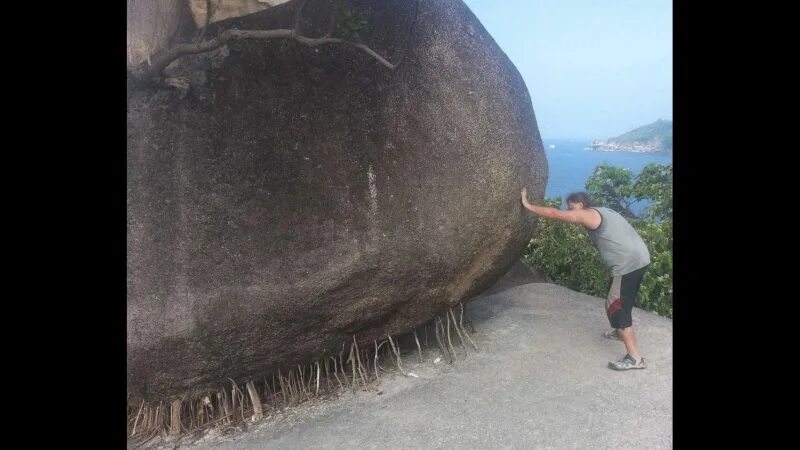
623 252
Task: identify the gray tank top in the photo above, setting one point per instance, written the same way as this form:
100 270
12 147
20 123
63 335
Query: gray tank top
620 247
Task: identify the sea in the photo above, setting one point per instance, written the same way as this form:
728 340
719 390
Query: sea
572 162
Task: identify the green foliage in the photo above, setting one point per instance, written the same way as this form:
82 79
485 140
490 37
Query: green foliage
350 23
654 183
565 253
655 293
615 188
612 187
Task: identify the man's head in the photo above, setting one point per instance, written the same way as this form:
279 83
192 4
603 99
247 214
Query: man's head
578 200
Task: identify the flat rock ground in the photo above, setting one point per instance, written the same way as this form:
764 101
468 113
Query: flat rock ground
539 380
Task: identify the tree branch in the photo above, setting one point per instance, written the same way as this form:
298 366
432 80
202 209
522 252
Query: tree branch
161 60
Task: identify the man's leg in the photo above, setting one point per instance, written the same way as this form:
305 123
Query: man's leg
629 289
627 337
612 299
622 319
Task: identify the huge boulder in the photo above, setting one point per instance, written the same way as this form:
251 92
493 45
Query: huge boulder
287 198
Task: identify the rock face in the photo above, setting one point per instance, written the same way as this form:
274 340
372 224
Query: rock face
293 197
153 24
224 9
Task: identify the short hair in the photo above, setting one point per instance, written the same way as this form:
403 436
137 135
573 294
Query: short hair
580 197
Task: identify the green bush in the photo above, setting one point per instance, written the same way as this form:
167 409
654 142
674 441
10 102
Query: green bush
656 291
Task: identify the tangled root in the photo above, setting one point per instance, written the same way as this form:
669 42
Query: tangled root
224 409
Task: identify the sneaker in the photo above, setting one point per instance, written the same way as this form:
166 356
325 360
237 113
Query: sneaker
612 335
627 363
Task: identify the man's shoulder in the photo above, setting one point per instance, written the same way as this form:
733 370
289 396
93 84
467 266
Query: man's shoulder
603 211
595 211
593 218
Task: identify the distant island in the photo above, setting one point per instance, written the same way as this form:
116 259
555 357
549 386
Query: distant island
652 138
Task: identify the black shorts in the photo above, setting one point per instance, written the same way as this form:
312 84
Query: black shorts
622 295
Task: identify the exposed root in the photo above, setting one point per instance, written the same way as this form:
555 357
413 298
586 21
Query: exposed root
449 342
327 375
470 340
377 349
255 400
360 366
461 338
317 391
175 419
237 393
335 374
445 353
472 327
331 374
222 398
377 377
302 380
399 360
283 388
419 349
137 418
351 361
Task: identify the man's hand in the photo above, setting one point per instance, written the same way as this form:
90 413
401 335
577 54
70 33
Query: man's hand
589 218
525 198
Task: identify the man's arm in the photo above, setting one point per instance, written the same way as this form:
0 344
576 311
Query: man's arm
579 217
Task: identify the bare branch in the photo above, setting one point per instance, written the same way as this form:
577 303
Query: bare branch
373 54
162 59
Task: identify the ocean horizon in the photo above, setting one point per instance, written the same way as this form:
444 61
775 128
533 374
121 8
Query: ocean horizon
572 162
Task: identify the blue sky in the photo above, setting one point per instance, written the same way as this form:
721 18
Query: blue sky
594 69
